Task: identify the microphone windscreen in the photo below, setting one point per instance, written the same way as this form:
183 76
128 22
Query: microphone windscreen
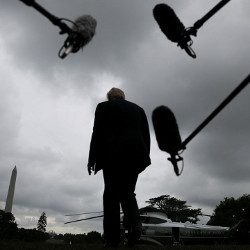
86 26
169 23
166 129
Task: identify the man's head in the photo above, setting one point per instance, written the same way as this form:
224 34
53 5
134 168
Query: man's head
115 93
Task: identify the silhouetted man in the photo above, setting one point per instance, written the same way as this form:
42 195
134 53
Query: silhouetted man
120 145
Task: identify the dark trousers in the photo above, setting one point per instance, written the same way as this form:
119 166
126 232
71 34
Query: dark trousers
119 189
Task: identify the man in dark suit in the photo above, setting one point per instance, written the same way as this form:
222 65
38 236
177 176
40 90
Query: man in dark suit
120 146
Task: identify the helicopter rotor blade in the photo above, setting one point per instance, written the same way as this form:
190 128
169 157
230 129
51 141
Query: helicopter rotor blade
89 218
83 213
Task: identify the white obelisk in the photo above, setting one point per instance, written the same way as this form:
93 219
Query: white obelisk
10 197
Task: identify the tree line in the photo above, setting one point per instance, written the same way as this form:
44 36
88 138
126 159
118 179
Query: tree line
9 230
227 213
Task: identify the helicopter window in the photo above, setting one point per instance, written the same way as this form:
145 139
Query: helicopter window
151 220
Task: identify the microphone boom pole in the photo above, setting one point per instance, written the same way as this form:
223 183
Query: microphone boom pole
200 22
230 97
174 155
186 41
79 35
55 20
175 31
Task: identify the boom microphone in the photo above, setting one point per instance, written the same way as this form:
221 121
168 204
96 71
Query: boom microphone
82 33
166 129
172 27
167 134
169 23
175 31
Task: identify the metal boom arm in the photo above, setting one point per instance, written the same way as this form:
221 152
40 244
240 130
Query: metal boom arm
200 22
55 20
175 157
236 91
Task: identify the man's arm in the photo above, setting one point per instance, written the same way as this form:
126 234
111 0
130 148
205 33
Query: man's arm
93 145
96 137
146 133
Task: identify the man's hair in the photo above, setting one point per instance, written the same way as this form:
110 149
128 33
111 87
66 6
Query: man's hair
115 93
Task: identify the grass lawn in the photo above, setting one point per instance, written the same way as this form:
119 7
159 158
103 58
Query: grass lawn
60 245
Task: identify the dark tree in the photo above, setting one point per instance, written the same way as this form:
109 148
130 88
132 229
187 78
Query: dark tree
59 237
42 223
93 237
69 237
175 209
8 226
32 235
230 211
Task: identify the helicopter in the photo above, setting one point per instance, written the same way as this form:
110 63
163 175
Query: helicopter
158 229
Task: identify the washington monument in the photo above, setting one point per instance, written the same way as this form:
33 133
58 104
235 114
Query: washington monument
9 201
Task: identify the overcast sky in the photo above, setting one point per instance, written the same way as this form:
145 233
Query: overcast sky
47 104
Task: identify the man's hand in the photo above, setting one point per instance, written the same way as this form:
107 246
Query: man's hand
90 168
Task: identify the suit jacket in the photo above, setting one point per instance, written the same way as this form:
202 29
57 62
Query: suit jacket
120 136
